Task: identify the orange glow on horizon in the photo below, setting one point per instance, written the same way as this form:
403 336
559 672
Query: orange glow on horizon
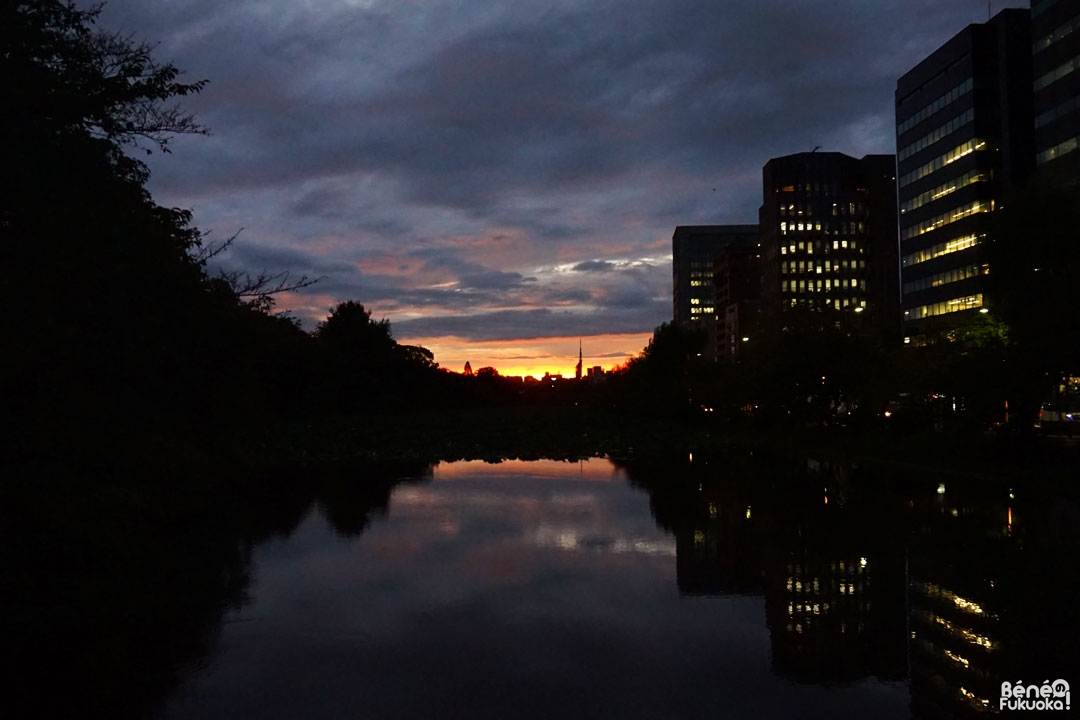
534 356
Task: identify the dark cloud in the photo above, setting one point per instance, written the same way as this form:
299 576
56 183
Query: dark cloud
594 266
536 323
351 129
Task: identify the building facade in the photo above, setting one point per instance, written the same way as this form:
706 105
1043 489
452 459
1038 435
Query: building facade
964 141
1055 64
829 254
716 282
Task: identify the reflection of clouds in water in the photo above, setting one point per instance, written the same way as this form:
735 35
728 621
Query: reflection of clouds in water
430 498
572 539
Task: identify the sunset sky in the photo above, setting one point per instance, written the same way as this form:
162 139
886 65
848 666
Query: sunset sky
500 179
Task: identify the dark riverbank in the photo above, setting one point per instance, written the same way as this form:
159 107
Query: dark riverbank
573 432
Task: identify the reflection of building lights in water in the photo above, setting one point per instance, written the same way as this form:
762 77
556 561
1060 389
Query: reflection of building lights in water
956 630
941 488
747 512
971 696
956 658
964 604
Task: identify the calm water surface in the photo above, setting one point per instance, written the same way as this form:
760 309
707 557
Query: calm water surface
555 589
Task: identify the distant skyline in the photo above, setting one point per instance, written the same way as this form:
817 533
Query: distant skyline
499 179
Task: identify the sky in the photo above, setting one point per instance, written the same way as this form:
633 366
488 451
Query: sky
502 179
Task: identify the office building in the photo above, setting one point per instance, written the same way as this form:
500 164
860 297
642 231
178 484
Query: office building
964 142
1055 64
716 282
829 254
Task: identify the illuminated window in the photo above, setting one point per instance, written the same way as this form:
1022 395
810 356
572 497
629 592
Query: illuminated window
944 278
947 188
941 161
1059 32
945 248
783 248
937 134
955 305
946 218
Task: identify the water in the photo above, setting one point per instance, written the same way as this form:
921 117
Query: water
728 586
523 589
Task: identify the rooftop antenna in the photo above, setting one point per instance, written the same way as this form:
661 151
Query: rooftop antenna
816 148
987 9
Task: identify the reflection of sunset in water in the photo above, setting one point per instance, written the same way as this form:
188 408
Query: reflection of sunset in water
591 470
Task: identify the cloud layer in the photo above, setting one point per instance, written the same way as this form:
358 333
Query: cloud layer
491 170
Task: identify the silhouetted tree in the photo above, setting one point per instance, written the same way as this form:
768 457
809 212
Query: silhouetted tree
103 293
365 368
672 349
349 329
1034 272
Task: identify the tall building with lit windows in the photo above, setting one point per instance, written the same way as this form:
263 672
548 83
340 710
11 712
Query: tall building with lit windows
1055 64
964 139
715 281
829 253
